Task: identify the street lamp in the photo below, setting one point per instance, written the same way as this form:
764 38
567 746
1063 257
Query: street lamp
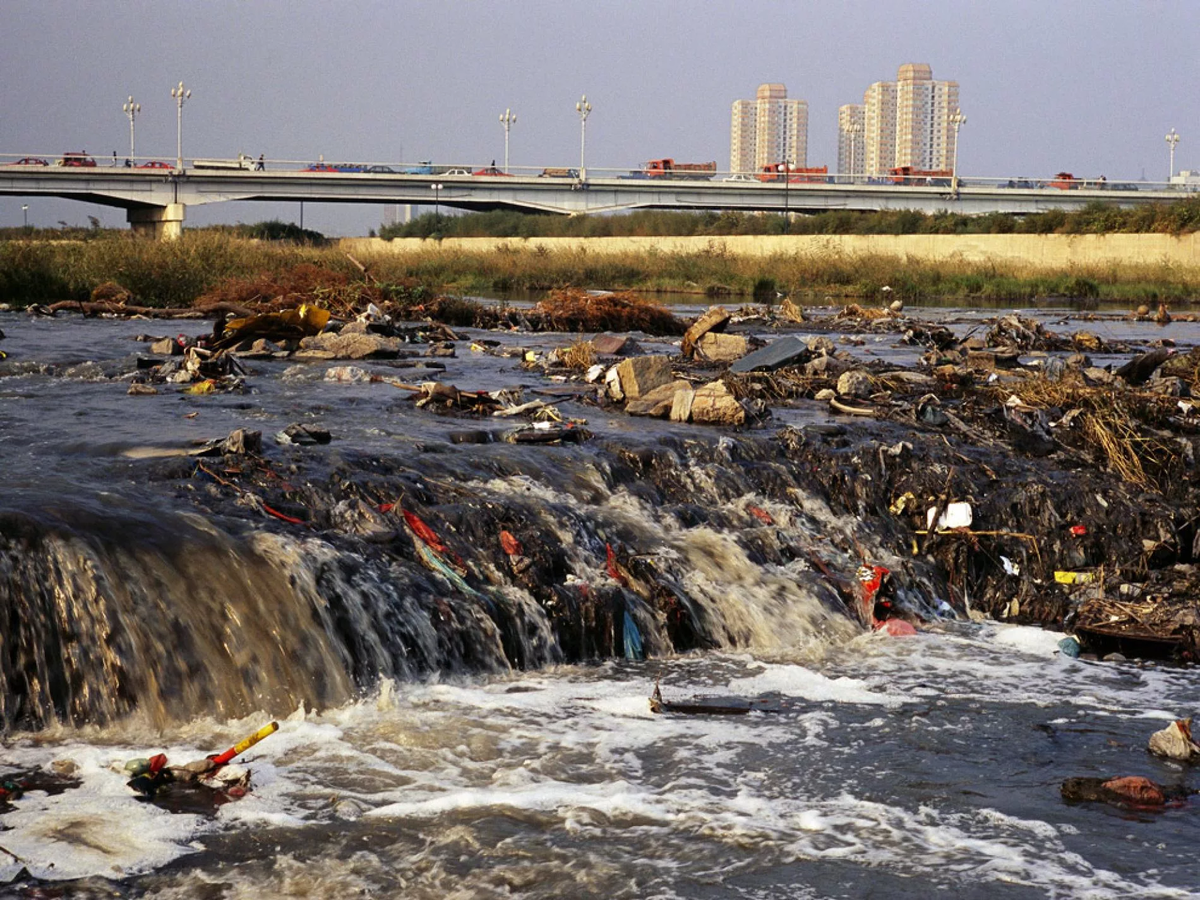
584 109
180 96
25 214
437 209
1172 140
958 120
853 129
131 109
508 119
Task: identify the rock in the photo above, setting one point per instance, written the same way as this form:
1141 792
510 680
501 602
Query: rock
1130 790
785 351
896 306
716 347
1170 387
166 347
242 441
142 389
615 345
789 311
855 383
304 435
658 402
713 404
821 344
825 395
715 319
981 359
354 346
826 366
1143 310
348 374
642 374
1087 342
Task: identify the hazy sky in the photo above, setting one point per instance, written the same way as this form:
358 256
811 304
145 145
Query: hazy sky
1090 87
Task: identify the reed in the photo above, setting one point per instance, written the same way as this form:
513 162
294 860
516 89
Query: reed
176 274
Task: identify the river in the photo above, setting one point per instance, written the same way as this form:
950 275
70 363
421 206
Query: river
415 759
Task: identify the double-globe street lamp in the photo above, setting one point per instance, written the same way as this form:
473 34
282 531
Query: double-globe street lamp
853 130
584 109
508 118
958 120
131 109
1172 140
437 209
181 96
25 214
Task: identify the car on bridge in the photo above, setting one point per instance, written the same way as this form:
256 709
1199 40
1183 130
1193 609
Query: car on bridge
154 164
457 172
491 171
80 159
380 170
27 161
322 167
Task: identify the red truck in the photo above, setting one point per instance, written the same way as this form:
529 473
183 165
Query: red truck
795 174
924 177
668 168
1065 181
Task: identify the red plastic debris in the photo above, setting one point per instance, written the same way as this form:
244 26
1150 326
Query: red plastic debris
424 532
1079 530
1137 790
761 514
613 569
896 628
510 544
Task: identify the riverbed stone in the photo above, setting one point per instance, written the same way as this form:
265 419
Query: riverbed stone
354 346
615 345
658 402
715 319
785 351
855 383
713 404
717 347
642 374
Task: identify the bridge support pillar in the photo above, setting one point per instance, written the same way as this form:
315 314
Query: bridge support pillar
164 223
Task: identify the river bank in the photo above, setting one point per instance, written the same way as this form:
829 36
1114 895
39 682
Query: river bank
1117 268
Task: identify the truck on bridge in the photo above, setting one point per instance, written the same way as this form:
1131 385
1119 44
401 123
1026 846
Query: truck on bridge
795 174
920 177
243 163
668 168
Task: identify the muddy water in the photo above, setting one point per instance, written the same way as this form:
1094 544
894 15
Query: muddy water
893 768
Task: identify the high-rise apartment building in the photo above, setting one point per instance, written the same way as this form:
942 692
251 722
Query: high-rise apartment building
905 122
768 129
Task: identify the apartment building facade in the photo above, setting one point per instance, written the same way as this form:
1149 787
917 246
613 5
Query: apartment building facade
906 122
768 129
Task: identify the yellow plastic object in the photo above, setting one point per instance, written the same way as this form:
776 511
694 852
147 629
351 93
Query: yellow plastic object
208 386
1074 577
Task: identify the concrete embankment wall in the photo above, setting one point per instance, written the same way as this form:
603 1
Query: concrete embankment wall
1049 251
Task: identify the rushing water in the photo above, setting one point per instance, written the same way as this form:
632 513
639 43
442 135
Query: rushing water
405 766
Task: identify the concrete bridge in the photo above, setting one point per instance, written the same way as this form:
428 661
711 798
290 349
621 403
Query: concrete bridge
156 199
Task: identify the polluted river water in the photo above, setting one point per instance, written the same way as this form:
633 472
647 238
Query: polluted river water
413 757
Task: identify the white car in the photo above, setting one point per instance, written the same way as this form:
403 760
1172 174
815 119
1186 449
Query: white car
457 172
739 176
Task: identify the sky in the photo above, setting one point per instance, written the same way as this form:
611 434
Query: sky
1087 87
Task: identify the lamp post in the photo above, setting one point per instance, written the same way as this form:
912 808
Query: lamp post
1172 140
507 119
437 209
131 109
181 96
25 214
958 120
853 129
584 109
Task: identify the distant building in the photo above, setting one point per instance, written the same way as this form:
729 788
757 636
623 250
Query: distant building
768 129
905 122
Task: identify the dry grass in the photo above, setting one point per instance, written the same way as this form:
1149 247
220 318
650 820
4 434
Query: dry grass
577 310
580 355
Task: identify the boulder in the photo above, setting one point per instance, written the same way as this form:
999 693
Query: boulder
658 402
826 366
681 404
713 404
354 346
642 374
717 347
821 344
716 319
855 383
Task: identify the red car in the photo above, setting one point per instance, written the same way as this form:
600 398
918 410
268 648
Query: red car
77 159
491 170
28 161
154 164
